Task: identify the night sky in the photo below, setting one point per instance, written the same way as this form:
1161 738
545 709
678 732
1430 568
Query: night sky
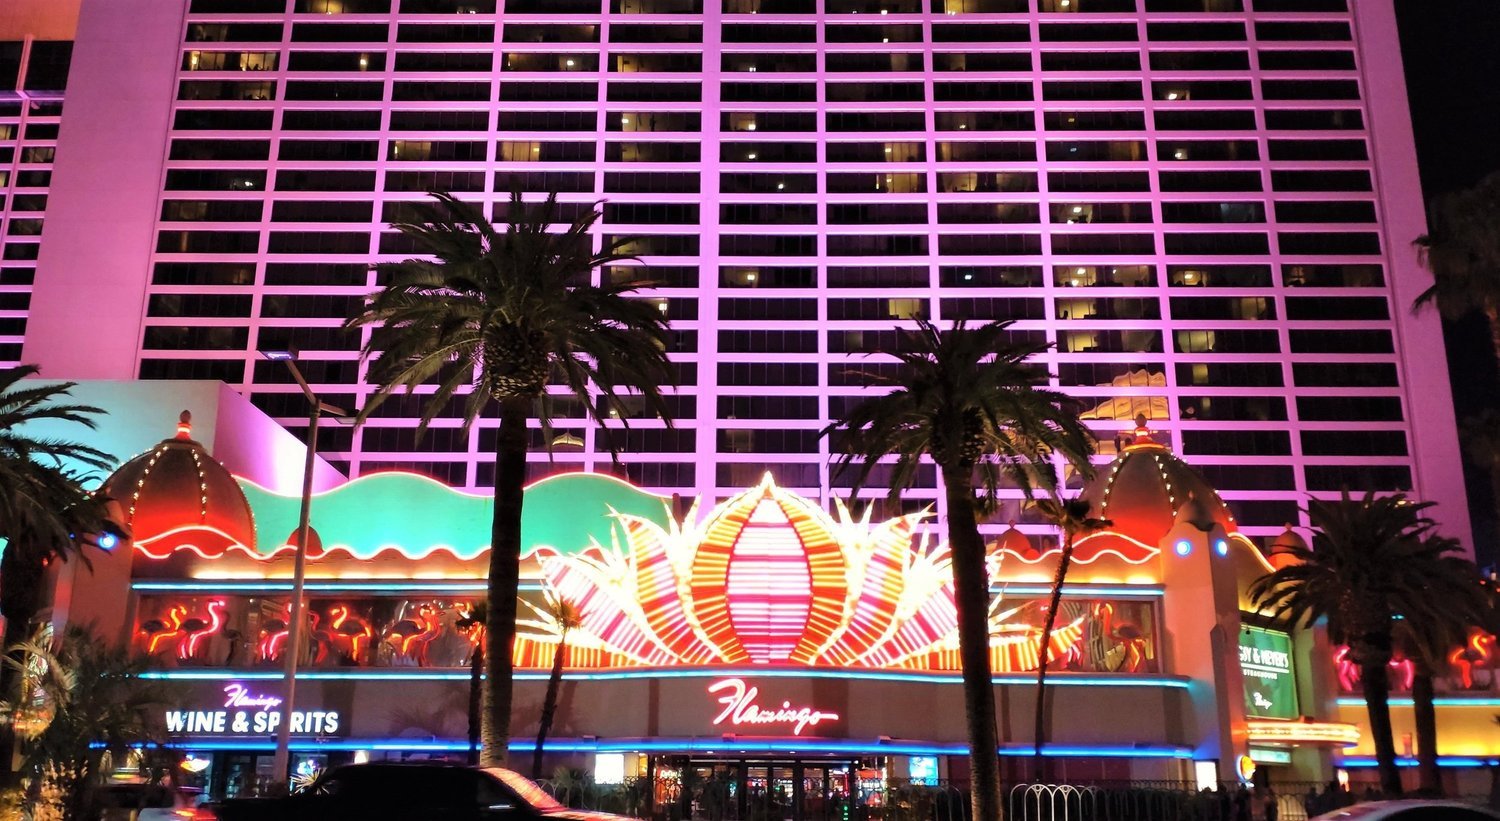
1452 54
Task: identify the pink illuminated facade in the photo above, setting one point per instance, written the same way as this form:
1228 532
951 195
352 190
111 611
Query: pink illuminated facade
1206 205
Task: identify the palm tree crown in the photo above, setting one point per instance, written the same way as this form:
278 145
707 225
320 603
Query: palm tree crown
968 397
1462 250
1375 564
505 309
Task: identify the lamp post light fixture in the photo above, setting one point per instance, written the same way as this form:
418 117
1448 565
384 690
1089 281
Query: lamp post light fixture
296 617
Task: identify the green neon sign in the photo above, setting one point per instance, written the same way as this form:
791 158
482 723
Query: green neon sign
416 515
1270 683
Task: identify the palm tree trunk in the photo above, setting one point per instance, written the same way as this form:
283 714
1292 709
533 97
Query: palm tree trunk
504 577
1377 692
549 705
476 699
1040 733
1492 316
20 599
1424 714
971 586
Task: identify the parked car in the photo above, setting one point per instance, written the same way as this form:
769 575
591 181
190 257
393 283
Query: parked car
146 802
1415 809
417 791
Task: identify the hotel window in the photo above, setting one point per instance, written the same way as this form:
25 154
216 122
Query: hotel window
1200 120
984 182
1324 211
979 6
1086 213
651 121
656 6
339 32
775 152
1236 442
1315 119
653 62
1091 90
1320 60
1357 477
763 276
1084 61
980 33
871 33
777 342
1196 5
651 33
1219 276
767 214
1319 341
1131 308
1345 375
1200 61
429 61
1084 276
989 276
771 63
1333 276
305 120
1354 443
883 276
985 120
1230 375
1233 408
1226 341
235 32
1204 181
551 33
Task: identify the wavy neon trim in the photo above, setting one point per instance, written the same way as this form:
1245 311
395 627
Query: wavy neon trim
1151 552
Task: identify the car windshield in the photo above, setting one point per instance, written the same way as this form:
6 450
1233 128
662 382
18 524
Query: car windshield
527 789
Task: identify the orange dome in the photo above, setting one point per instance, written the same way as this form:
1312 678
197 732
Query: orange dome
1147 488
176 495
1016 542
1282 551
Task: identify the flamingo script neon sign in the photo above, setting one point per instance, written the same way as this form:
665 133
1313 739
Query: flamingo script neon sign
740 708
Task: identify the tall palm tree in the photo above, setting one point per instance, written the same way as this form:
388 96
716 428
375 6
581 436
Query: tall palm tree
45 512
562 616
474 620
1479 436
970 400
490 317
1071 516
1371 561
1462 250
1427 639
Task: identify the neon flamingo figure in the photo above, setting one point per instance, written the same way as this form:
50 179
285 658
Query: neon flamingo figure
1125 635
1474 657
350 630
273 636
161 630
1407 672
432 627
199 629
1348 671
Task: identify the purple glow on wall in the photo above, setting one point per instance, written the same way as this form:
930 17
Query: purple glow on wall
1238 267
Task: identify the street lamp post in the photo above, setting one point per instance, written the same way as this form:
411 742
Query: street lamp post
296 618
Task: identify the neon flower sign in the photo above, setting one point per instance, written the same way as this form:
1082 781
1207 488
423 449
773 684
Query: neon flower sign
768 577
740 708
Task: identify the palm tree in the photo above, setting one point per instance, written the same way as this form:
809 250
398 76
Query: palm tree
1427 640
1071 516
491 317
1479 436
971 401
472 621
1462 250
1371 561
45 512
562 616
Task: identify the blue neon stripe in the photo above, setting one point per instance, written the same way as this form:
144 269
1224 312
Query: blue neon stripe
689 745
1407 761
1055 679
1442 701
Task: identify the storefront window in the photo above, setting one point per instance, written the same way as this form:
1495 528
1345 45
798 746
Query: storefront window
1090 635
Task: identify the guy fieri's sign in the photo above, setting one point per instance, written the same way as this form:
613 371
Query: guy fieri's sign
247 713
740 709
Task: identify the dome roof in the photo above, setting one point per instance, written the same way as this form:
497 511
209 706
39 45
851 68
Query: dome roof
1147 490
1281 552
1016 542
177 490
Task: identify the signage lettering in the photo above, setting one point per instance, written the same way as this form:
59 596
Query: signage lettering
246 712
1270 682
740 708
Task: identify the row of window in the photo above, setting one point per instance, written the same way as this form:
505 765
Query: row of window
656 91
349 120
552 7
672 62
878 30
1239 275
